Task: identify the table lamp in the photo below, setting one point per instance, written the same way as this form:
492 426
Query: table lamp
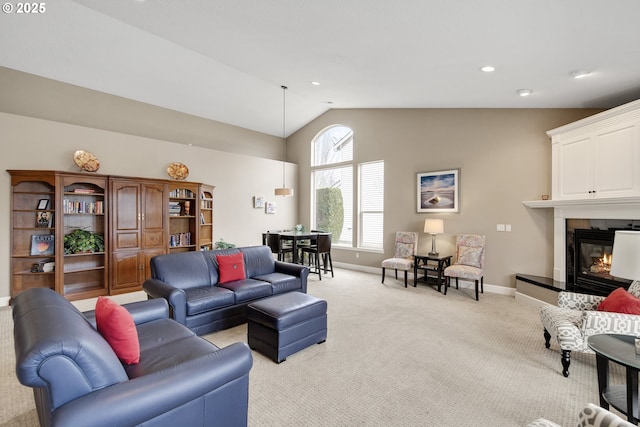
625 258
433 227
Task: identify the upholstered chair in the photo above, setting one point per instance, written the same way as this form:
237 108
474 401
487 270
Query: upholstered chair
576 318
590 416
469 264
406 246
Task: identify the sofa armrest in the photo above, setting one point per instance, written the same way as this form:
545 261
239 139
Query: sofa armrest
296 270
141 311
224 372
175 297
577 301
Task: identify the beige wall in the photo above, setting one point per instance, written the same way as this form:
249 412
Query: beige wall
504 156
30 143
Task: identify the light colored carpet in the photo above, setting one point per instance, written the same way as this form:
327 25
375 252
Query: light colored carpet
393 357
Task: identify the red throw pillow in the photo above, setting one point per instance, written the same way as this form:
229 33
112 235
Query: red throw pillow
620 301
116 325
231 267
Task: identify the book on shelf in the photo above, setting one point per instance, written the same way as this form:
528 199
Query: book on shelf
84 190
175 209
42 244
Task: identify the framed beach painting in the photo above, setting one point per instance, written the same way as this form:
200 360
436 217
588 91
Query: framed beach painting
438 191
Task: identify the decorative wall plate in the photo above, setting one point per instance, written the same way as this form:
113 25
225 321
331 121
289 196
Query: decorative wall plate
178 171
86 161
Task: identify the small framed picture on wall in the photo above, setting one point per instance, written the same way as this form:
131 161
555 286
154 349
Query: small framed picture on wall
438 191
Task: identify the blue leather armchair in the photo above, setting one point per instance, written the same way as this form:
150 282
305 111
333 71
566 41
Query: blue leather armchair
78 380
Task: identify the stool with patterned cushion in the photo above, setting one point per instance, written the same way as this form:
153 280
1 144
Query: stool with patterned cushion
285 324
576 318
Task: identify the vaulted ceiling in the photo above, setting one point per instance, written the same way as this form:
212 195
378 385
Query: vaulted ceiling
226 60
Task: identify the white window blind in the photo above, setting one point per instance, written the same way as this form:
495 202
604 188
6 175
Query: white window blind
371 203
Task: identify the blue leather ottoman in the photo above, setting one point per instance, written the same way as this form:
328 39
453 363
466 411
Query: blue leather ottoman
285 324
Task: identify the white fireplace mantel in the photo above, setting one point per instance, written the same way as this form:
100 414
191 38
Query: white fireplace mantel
583 202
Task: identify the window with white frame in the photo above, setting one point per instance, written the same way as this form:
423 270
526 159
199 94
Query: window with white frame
332 180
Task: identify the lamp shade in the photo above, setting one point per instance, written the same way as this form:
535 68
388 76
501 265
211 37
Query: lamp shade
625 259
434 226
284 191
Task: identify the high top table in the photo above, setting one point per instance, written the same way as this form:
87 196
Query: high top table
295 236
621 350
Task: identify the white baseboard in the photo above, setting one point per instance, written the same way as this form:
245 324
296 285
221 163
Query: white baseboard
502 290
4 301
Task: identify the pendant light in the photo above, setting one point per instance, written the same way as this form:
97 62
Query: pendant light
284 191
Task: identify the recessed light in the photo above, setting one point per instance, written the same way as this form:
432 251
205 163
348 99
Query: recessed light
578 74
524 92
315 83
488 69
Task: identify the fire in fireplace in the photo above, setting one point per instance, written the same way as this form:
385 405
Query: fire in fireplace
592 254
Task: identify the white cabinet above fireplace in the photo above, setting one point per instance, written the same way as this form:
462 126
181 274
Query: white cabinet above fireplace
598 157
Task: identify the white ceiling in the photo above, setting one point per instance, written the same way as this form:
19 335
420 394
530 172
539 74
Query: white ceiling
226 59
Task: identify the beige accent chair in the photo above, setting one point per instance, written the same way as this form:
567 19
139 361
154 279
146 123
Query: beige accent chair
406 247
469 264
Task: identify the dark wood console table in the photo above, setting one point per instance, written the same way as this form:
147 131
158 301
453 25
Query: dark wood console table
621 350
433 269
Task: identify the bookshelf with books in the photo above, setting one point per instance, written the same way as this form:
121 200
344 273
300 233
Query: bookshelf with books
206 218
84 261
33 198
183 214
84 235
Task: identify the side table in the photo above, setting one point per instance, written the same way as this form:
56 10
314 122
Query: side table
433 268
621 350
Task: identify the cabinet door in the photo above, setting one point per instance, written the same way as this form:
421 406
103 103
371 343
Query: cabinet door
154 233
126 271
616 169
126 215
575 169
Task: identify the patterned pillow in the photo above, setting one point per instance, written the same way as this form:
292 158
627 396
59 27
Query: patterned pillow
469 255
404 250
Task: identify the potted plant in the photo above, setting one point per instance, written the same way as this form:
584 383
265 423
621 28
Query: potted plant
221 244
82 241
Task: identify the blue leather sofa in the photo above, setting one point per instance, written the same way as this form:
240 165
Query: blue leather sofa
77 379
189 282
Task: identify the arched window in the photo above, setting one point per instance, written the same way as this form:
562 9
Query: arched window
333 189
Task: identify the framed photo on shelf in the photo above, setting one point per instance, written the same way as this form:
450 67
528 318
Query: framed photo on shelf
44 219
42 204
42 244
438 191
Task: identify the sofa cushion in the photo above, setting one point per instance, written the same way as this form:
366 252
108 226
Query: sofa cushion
258 260
248 289
164 343
116 325
620 301
208 298
230 267
183 270
281 282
